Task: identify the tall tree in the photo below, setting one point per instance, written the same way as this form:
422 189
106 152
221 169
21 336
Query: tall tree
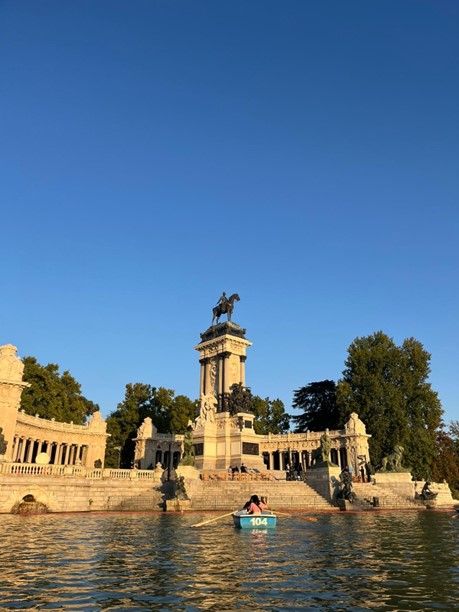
182 411
168 413
446 463
387 386
53 395
317 400
122 424
270 416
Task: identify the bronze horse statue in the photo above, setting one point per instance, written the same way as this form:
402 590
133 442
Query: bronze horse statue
225 308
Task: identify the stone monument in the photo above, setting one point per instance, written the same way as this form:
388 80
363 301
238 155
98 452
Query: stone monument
11 387
224 437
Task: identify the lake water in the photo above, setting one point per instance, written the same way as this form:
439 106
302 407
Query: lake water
367 561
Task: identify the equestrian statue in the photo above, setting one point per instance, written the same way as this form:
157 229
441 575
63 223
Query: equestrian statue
224 306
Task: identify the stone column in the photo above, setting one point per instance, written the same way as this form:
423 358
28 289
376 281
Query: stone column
242 369
30 451
207 385
15 448
226 372
220 375
202 379
22 450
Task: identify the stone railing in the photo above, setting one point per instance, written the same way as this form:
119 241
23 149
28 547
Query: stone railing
238 476
50 424
76 471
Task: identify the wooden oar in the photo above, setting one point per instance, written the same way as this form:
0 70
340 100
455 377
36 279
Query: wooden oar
213 519
302 518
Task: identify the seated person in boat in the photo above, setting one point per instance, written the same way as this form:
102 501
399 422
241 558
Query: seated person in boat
254 505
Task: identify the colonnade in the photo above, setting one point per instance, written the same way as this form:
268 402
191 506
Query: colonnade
25 450
279 459
167 459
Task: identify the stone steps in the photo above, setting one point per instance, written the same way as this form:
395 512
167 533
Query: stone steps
387 499
215 495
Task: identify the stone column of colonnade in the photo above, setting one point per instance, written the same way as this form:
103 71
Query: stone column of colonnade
26 450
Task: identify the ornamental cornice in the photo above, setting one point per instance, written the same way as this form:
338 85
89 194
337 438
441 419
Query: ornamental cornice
37 422
14 383
221 344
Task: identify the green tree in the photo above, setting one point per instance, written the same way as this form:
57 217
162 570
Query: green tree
453 430
270 416
122 424
168 413
52 395
446 463
182 411
387 386
317 400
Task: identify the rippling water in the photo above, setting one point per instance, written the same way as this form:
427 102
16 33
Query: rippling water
352 562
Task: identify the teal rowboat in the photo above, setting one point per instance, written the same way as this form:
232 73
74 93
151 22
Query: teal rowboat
265 520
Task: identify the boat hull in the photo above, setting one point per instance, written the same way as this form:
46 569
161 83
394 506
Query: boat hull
264 520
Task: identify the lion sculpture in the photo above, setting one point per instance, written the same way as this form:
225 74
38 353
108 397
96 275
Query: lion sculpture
393 461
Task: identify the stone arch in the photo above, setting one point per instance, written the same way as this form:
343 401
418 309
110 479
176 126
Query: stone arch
39 494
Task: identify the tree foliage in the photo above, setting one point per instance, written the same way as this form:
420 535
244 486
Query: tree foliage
387 386
270 416
446 463
52 395
168 413
317 400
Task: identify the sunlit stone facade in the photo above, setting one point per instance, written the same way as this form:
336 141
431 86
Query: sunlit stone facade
31 439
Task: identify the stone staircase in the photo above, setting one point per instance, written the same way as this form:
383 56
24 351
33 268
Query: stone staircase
230 495
366 493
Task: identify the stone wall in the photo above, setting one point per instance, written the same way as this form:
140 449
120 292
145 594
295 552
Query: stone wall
80 490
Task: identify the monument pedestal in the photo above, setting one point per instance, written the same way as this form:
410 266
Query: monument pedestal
401 483
221 439
228 440
325 480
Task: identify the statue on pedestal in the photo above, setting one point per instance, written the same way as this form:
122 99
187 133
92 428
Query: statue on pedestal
321 455
240 399
346 491
393 461
188 447
224 306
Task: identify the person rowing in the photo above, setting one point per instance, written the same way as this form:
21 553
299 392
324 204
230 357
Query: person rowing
254 505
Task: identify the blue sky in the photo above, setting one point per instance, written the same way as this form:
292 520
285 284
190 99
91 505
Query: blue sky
156 153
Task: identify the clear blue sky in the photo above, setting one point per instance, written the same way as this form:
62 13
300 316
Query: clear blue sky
156 153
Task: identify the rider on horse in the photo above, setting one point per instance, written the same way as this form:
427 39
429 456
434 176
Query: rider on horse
223 301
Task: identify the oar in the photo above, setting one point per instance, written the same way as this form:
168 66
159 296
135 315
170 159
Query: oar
302 518
213 519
